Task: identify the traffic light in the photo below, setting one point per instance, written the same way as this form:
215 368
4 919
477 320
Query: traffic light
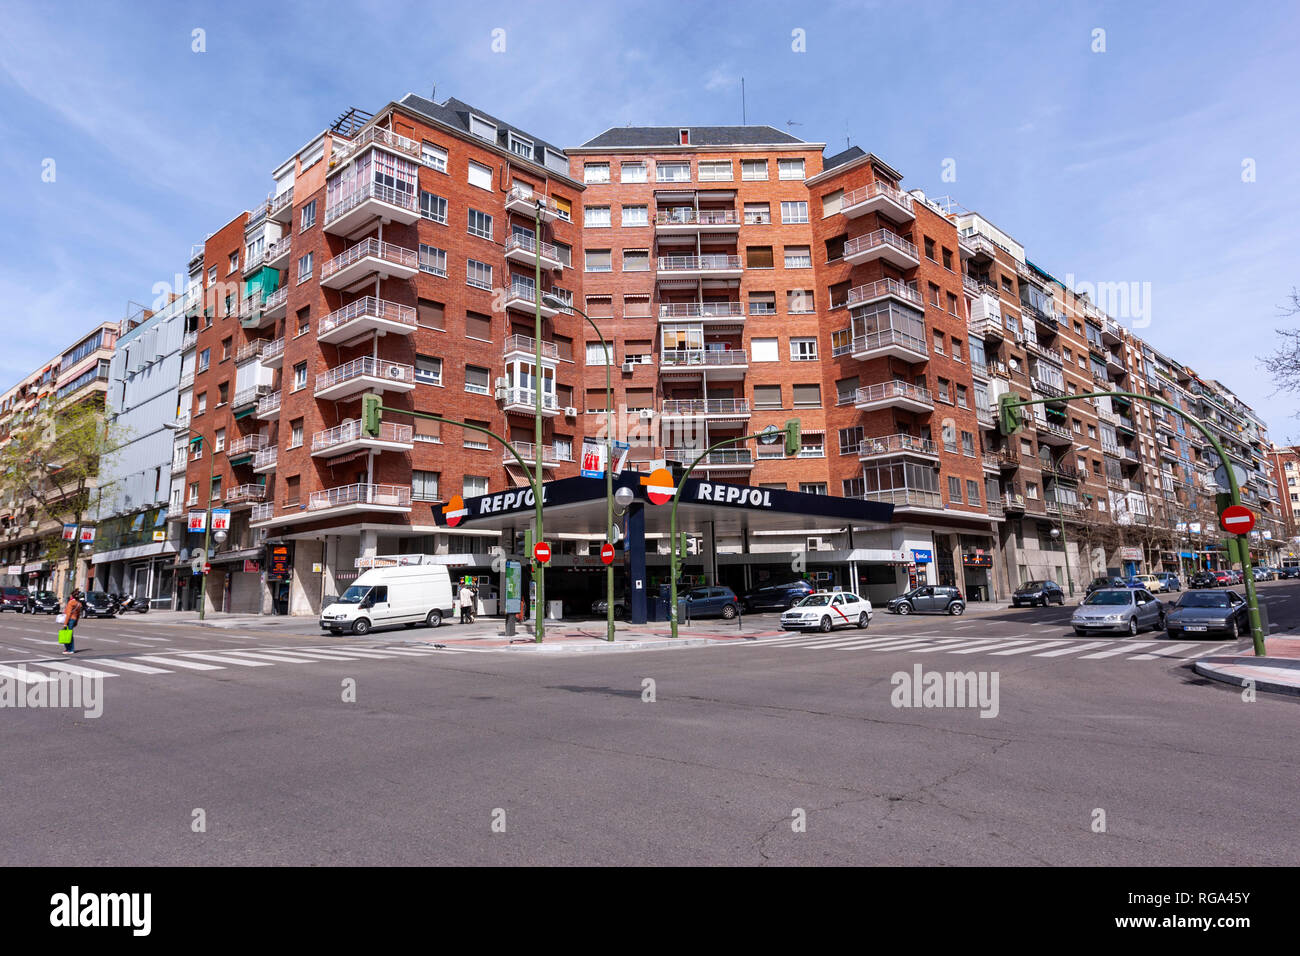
370 417
793 438
1010 420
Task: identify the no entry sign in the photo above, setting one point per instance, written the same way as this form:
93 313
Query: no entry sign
659 486
1237 519
606 553
542 552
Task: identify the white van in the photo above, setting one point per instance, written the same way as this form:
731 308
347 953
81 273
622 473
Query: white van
382 596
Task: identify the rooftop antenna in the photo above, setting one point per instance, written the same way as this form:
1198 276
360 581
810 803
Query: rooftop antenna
744 117
433 93
790 123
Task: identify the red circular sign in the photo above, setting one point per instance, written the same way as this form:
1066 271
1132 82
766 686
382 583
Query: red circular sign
542 552
607 553
454 510
659 486
1237 519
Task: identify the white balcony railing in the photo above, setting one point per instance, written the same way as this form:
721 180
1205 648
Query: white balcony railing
528 452
697 217
871 191
248 444
527 397
250 351
906 498
368 306
266 458
897 445
276 299
549 206
885 391
402 198
242 493
351 432
531 246
871 291
711 263
528 345
276 204
273 349
702 310
264 511
248 396
387 496
720 457
710 358
706 406
268 404
366 366
387 251
881 237
381 136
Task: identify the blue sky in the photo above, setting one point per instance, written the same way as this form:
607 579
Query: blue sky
1116 166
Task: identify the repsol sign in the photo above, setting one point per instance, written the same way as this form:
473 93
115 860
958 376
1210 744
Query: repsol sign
720 494
509 501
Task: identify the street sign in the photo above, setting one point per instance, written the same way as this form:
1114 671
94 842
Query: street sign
770 435
454 510
197 520
1221 477
1237 519
593 459
659 486
220 519
542 552
606 553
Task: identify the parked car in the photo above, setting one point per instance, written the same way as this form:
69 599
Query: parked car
1220 612
1203 579
622 606
712 602
1289 573
1127 610
1236 575
928 599
13 599
1037 592
1222 578
1098 583
827 610
777 597
418 594
1170 580
44 602
1262 574
99 604
1148 582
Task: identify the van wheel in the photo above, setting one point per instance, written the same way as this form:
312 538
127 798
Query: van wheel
825 625
729 611
361 626
433 619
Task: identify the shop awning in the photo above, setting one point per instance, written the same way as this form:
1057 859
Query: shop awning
136 551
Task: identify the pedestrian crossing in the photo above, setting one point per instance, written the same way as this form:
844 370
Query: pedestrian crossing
1085 650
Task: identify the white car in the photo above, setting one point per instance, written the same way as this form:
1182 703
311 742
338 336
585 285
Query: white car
827 610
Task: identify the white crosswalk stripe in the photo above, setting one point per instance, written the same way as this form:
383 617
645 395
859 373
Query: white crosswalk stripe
217 659
179 662
77 669
269 656
23 675
950 646
1073 650
1027 650
992 647
1128 648
129 666
1170 651
1005 646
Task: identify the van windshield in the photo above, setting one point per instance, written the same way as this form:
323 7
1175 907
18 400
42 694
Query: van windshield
354 595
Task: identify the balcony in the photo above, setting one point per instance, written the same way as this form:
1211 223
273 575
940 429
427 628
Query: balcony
246 399
268 407
705 312
885 342
976 247
189 340
991 461
376 136
872 292
265 461
522 296
1114 363
1068 509
1046 389
719 363
180 464
280 208
241 450
905 498
523 401
250 351
276 304
894 446
241 495
273 353
186 381
696 221
524 249
969 285
525 203
996 509
389 499
1053 434
349 437
883 245
1060 470
276 255
262 512
878 197
252 315
525 347
894 395
369 258
1008 460
1042 351
710 408
721 459
365 374
368 314
528 452
354 213
689 269
1013 503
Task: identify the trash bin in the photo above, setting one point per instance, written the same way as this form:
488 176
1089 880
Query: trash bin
555 610
683 611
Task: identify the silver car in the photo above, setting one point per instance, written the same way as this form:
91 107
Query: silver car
1126 610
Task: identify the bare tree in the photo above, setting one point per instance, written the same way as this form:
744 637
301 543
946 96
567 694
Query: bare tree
1283 364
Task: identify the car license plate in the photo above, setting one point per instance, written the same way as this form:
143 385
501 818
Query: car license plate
1194 627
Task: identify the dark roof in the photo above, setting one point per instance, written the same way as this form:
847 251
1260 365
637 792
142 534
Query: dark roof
649 136
846 156
455 113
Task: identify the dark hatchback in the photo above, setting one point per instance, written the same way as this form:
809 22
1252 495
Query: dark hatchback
777 597
1219 612
1203 579
98 604
44 602
1037 592
928 599
1097 584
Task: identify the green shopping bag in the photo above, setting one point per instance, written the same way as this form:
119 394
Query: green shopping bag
65 635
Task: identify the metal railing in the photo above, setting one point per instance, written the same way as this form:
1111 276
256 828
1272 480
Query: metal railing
702 310
882 287
387 251
711 263
366 192
904 497
381 136
523 195
528 452
351 431
715 458
276 204
266 457
398 496
189 340
697 217
881 237
250 351
273 349
527 344
897 445
706 406
970 285
530 245
528 397
276 299
186 380
249 492
246 444
679 358
872 190
268 403
367 306
275 251
888 390
873 341
249 396
367 366
263 511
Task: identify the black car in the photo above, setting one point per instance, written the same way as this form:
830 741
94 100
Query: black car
1219 612
1098 583
622 606
98 604
777 597
928 599
44 602
1037 592
1203 579
1289 573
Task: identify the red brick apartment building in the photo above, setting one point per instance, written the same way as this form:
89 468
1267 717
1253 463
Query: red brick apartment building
741 277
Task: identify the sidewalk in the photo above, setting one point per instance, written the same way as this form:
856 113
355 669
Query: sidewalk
216 619
1278 671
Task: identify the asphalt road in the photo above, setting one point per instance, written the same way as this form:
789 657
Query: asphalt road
564 749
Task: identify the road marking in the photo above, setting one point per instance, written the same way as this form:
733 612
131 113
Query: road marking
178 662
992 647
108 640
76 669
267 656
1031 647
869 643
327 655
128 666
1125 649
224 660
37 640
24 675
1074 650
364 653
154 640
1163 652
900 645
369 650
1212 650
951 645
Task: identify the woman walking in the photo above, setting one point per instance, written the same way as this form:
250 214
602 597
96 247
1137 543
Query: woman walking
72 614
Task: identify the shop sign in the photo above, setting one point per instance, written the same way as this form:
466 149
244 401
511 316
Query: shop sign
922 555
277 562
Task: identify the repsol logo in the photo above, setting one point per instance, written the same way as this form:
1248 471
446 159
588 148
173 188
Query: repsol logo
509 500
734 495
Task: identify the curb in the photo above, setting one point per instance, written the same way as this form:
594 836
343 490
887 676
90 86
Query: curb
1213 668
607 647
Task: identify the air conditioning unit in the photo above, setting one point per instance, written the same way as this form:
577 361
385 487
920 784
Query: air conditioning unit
394 371
647 414
629 366
570 412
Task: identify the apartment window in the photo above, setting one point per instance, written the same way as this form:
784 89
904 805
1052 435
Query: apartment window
812 487
595 217
961 397
480 224
956 350
812 445
478 274
205 359
767 396
803 350
295 433
307 218
212 275
478 326
954 489
636 260
477 380
225 349
430 314
474 485
789 169
563 208
563 449
753 170
835 251
636 306
947 260
799 301
634 173
215 488
952 303
435 157
968 444
234 262
807 396
201 403
428 370
433 207
854 487
832 203
223 394
973 492
598 260
564 253
304 320
764 350
595 173
424 486
758 257
850 440
433 260
427 431
798 257
673 172
636 216
938 342
715 171
521 147
193 496
794 211
596 354
758 213
219 440
300 376
846 390
762 303
304 268
944 388
480 176
929 249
